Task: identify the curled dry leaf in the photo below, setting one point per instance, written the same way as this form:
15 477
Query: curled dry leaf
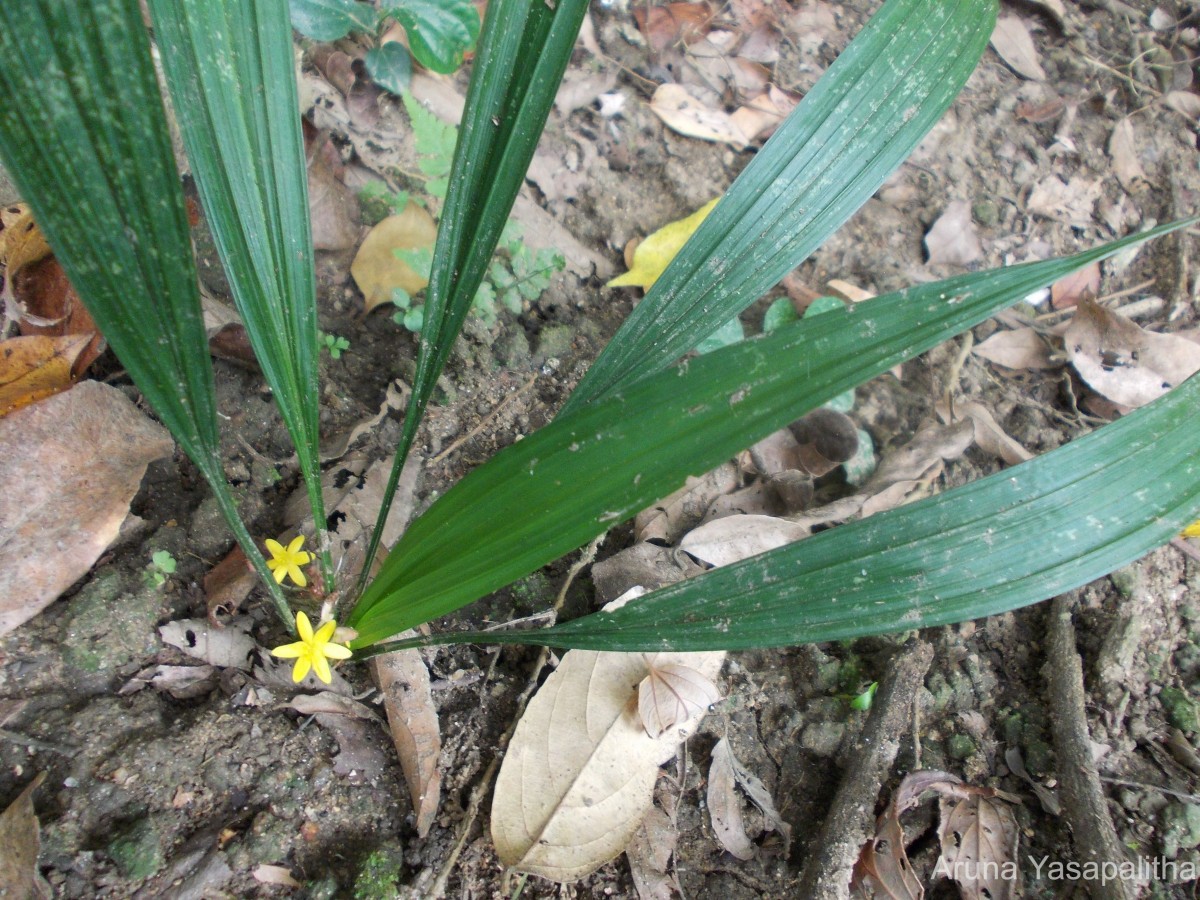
579 775
1123 362
665 25
228 584
1069 290
1183 102
70 466
20 843
673 693
685 114
733 538
1127 166
1070 202
989 436
669 519
1011 40
378 271
333 208
1021 348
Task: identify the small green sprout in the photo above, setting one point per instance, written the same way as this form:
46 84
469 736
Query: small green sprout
862 702
334 343
162 566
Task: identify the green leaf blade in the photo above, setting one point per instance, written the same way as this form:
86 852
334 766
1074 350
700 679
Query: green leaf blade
331 20
858 123
439 32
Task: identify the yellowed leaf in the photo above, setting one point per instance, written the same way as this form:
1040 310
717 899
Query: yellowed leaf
376 269
579 774
21 241
35 367
655 253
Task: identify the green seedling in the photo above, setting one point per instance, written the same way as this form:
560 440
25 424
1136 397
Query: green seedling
162 566
334 344
862 702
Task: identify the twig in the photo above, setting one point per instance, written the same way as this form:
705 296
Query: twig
1185 548
486 421
850 821
1141 785
1133 82
1084 805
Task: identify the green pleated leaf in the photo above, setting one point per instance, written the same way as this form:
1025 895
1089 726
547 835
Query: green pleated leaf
231 73
522 53
858 123
84 136
591 469
1003 542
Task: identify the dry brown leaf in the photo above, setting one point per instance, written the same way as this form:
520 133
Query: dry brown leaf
733 538
1070 289
333 208
1123 362
331 704
671 693
1126 164
665 25
1021 348
21 241
1011 40
376 269
674 516
227 647
979 847
228 583
761 115
725 806
1037 113
649 855
36 367
579 774
989 436
642 564
70 466
683 113
184 682
952 239
20 843
50 307
882 869
403 679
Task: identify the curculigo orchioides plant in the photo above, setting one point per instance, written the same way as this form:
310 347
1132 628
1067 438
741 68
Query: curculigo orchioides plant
90 151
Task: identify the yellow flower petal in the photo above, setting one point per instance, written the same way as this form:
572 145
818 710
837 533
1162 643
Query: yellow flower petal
1193 530
303 664
337 651
304 628
325 632
274 548
297 576
321 665
290 651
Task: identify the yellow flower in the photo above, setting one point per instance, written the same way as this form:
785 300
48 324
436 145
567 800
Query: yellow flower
312 651
1192 530
287 561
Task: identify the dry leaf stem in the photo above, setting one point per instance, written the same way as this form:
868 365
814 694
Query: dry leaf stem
851 821
1084 804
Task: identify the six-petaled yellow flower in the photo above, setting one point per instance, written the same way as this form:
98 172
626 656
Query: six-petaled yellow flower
313 650
287 561
1192 530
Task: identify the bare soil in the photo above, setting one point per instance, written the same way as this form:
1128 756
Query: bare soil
148 795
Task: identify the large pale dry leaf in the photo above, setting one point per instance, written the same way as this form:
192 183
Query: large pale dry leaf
1123 362
1183 102
20 843
403 679
733 538
229 647
579 774
1127 166
276 875
1021 348
685 114
70 466
979 847
672 693
378 271
952 239
649 855
1012 41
